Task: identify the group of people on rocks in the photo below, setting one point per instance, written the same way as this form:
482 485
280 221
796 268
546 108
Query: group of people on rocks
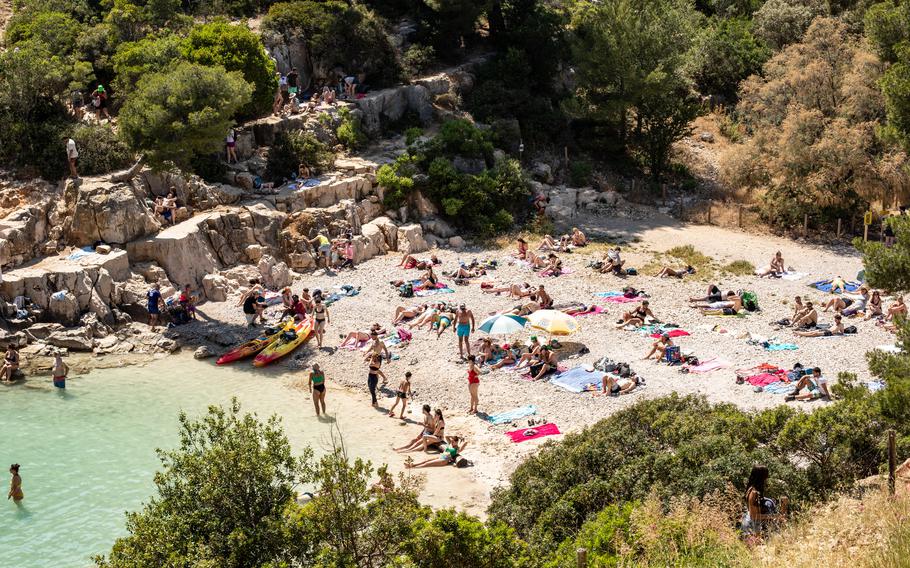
292 93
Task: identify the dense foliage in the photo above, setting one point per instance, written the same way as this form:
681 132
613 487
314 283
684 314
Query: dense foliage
291 149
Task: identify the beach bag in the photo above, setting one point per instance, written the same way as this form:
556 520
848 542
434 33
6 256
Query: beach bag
850 329
631 271
404 334
672 355
406 290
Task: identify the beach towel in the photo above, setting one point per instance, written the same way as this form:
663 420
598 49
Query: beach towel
875 386
763 379
622 300
433 292
827 286
81 253
780 387
608 294
671 333
710 365
312 182
359 345
525 434
577 380
272 298
793 276
514 414
889 348
781 347
529 377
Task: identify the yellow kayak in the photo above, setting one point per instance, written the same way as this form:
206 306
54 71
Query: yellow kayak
287 342
256 345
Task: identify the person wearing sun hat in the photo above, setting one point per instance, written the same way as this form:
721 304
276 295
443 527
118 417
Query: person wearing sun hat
99 101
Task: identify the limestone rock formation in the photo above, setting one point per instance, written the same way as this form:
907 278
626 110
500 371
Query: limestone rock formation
107 212
410 239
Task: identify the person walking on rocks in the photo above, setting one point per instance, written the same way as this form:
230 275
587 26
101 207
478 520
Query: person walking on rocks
155 301
230 143
464 326
317 388
72 155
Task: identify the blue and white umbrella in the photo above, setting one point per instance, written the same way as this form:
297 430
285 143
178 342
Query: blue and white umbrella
503 324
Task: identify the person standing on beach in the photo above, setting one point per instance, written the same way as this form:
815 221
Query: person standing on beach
373 377
464 326
404 390
15 485
317 388
377 347
473 384
155 301
321 318
59 372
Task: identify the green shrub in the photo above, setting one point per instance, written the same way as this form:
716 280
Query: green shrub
740 268
100 150
412 135
134 59
397 179
417 59
56 30
236 48
449 538
350 132
461 138
580 173
291 149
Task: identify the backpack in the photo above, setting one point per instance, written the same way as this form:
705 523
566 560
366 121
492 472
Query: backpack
850 329
750 300
631 271
672 355
406 290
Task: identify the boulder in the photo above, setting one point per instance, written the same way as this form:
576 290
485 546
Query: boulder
542 172
473 166
202 352
215 287
422 206
301 261
41 331
437 226
73 339
108 212
456 243
103 249
64 308
610 198
390 105
254 253
410 239
183 250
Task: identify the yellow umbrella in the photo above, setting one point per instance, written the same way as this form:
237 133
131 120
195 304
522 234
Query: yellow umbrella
553 322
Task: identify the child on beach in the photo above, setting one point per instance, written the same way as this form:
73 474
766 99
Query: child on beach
473 384
59 372
317 388
404 390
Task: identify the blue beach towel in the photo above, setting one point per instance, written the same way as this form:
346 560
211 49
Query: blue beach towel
608 294
826 286
81 253
780 387
781 347
514 414
577 380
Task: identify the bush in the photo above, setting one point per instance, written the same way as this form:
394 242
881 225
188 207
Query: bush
412 135
133 60
397 179
740 268
100 150
779 23
417 59
580 173
725 54
56 30
291 149
350 132
236 48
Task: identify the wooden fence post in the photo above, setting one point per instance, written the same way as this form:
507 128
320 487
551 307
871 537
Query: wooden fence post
892 460
709 213
581 558
838 227
806 225
740 216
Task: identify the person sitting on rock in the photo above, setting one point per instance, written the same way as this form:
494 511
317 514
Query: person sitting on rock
187 303
170 209
10 363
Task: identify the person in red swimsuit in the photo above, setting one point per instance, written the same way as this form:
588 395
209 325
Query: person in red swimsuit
473 384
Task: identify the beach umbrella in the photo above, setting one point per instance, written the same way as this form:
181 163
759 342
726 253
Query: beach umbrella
503 324
553 322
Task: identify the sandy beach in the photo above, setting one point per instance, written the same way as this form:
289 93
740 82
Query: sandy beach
440 378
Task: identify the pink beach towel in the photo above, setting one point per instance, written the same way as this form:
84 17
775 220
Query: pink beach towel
539 432
622 300
674 333
764 379
360 345
708 366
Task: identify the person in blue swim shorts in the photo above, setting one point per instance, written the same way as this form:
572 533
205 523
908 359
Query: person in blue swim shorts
464 326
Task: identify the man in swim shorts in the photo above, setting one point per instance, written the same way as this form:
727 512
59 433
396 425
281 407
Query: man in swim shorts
464 326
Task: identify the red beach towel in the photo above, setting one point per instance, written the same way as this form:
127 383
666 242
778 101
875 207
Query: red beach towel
539 432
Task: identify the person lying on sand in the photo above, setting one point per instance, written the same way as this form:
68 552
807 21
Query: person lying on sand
408 262
449 455
808 319
659 347
842 302
859 304
547 243
444 321
774 269
522 290
428 317
580 309
617 386
714 295
436 437
637 316
525 309
578 238
536 262
816 383
731 300
407 312
668 271
838 329
553 265
360 336
427 426
464 273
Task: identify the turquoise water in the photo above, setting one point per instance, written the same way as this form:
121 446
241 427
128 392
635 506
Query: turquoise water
88 453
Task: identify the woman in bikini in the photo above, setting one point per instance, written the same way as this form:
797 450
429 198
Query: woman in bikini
666 271
775 268
10 364
429 424
437 436
402 313
522 248
373 376
427 317
473 384
444 321
317 388
578 238
635 317
515 290
429 279
509 355
449 455
486 351
361 336
401 395
15 485
531 356
874 307
321 317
